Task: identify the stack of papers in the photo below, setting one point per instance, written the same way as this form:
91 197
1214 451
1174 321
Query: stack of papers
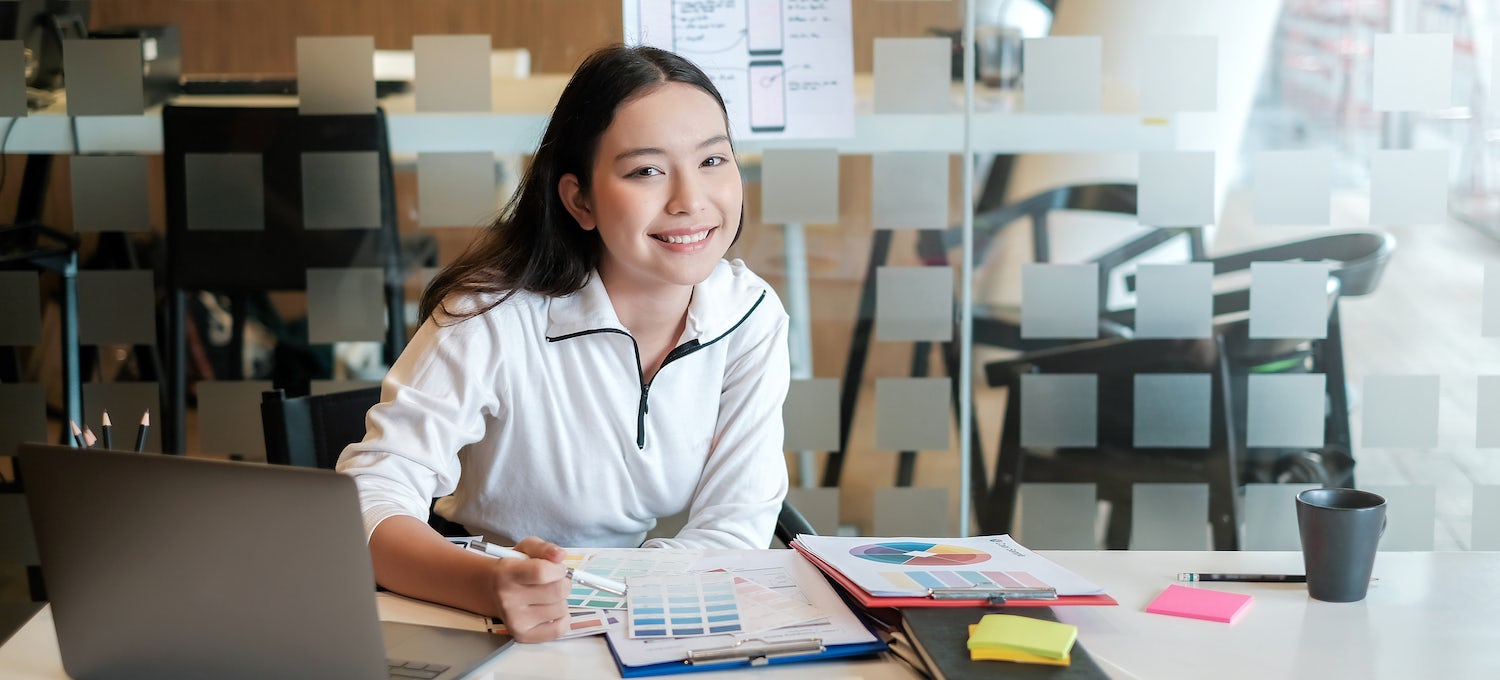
1021 639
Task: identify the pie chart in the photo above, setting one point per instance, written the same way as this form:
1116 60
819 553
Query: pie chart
920 554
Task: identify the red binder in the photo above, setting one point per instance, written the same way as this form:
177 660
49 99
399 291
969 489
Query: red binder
867 600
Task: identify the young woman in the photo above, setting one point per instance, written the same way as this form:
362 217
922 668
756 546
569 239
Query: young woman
591 364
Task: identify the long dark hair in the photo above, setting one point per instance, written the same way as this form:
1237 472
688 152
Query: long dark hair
535 245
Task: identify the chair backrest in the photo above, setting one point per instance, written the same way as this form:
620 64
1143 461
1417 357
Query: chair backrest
311 431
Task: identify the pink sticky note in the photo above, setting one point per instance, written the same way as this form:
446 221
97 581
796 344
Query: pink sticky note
1200 603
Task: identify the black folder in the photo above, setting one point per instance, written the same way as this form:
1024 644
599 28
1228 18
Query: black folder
941 635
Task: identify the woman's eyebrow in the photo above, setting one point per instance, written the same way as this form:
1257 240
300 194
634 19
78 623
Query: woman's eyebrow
655 151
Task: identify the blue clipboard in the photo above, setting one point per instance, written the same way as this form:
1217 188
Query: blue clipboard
746 656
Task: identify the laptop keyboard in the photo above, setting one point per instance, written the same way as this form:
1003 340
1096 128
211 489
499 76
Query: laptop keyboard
414 669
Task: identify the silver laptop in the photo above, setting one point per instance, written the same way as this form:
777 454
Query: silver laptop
167 567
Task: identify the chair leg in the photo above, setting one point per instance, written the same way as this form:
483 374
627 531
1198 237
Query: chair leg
859 349
906 465
999 513
1222 464
174 383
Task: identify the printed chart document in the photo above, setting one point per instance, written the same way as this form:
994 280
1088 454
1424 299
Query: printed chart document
915 567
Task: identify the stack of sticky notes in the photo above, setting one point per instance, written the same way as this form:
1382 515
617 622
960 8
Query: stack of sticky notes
1200 603
1008 637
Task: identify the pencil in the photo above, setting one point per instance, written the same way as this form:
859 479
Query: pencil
88 438
1251 578
140 432
77 434
106 432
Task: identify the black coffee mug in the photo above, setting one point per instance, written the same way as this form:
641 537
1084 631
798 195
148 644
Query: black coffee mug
1340 530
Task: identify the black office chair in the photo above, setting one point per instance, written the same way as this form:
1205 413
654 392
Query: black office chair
312 431
245 263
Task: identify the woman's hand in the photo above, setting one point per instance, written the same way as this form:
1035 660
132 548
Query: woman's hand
531 595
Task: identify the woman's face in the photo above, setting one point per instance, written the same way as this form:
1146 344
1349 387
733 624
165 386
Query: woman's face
666 193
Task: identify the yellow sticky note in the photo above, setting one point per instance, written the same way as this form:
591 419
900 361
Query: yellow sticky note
1021 633
1013 655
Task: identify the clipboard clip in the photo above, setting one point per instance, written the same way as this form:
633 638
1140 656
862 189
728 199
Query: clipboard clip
995 596
755 651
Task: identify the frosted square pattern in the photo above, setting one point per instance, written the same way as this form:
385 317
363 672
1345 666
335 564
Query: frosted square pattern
21 307
1408 187
336 74
801 186
1486 528
1059 410
1059 300
1293 187
1285 410
1410 513
109 193
819 505
1176 188
1288 300
1057 516
104 77
1488 402
1172 410
453 72
12 78
912 75
341 190
1063 74
1169 517
126 401
909 190
1401 411
1270 521
345 305
1179 73
911 511
1174 300
225 192
811 415
1413 71
23 415
913 414
456 189
1490 320
229 417
116 307
913 304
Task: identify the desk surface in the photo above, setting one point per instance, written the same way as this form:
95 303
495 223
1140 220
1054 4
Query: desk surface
521 106
1428 615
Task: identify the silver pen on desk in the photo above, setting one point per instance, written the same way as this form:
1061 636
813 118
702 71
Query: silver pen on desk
580 577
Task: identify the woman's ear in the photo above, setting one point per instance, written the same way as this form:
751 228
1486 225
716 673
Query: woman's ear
576 202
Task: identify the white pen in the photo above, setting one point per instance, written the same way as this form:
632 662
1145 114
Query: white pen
580 577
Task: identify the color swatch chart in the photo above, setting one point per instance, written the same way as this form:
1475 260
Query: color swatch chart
685 605
922 580
763 609
622 565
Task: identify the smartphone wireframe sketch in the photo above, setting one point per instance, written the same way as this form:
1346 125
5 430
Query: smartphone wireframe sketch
656 23
767 96
763 26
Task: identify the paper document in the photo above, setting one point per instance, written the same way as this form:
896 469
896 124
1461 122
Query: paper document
910 567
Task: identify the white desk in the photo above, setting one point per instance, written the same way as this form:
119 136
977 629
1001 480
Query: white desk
1429 615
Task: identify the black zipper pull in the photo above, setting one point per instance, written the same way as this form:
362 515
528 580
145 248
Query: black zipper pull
640 419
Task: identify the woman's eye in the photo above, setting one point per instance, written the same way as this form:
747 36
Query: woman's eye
646 172
714 160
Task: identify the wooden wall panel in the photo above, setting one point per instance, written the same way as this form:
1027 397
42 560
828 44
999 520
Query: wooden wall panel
259 36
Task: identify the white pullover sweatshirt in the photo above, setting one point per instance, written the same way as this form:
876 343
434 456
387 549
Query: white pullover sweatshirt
534 417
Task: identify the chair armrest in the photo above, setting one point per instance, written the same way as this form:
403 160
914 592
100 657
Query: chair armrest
790 523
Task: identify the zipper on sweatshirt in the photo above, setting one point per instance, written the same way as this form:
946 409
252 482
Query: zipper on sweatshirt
677 352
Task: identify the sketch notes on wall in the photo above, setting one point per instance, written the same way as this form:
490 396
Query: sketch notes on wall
785 67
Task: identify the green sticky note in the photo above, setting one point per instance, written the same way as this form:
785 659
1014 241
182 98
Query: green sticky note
1020 633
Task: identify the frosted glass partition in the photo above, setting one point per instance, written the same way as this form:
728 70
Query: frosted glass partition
1173 410
1180 73
336 75
345 305
341 190
1485 532
1401 411
126 402
913 304
1285 410
1174 300
12 78
224 191
1063 74
1288 300
104 77
1059 300
1059 410
819 505
800 185
909 190
1293 187
1488 434
1057 516
1408 187
1270 517
811 415
452 72
911 75
1413 72
911 511
456 189
110 193
116 307
229 420
21 307
23 415
1176 188
1169 517
1410 512
912 414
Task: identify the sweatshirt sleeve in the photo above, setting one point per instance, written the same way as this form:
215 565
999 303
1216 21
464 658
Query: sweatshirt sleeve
740 493
433 403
